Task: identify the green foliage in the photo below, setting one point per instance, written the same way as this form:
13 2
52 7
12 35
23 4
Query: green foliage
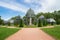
1 21
40 23
57 18
47 15
55 15
16 20
35 23
5 32
58 21
8 23
44 22
21 23
39 14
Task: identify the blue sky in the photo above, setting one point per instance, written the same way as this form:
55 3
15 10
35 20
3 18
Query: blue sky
8 13
11 8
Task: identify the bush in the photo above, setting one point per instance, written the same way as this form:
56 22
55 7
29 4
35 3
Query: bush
8 23
58 21
40 24
21 23
44 22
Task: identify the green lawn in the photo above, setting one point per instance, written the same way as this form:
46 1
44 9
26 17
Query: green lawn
54 32
5 32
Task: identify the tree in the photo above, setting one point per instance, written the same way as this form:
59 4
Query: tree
8 23
57 16
21 23
40 24
44 22
1 21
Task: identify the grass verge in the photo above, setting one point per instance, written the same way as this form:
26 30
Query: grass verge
5 32
54 32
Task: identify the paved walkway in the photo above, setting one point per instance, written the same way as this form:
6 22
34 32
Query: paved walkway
30 34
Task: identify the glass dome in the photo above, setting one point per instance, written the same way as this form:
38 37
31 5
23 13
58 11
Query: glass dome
30 13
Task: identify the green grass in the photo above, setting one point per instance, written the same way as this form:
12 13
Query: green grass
5 32
54 32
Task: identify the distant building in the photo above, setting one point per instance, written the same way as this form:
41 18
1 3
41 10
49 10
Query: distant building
30 17
11 21
41 17
51 21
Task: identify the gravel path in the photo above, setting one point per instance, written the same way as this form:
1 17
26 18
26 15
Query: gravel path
30 34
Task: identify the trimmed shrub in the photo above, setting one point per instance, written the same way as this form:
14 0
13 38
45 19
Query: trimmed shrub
44 22
40 23
9 24
21 23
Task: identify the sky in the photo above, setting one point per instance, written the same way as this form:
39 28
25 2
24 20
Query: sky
11 8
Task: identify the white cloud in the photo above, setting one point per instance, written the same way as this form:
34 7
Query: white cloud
27 1
41 5
32 1
14 6
36 5
46 5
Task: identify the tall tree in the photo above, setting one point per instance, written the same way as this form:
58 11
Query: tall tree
1 21
21 23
